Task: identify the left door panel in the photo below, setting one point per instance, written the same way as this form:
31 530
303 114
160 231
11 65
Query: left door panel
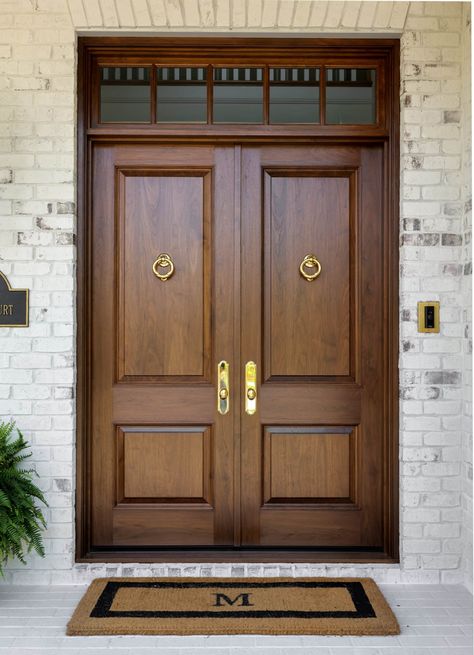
162 455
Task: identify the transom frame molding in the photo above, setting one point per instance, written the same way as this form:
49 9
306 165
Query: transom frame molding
244 15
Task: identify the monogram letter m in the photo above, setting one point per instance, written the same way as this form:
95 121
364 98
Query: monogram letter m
222 599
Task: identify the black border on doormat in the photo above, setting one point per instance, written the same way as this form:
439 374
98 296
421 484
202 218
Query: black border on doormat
363 606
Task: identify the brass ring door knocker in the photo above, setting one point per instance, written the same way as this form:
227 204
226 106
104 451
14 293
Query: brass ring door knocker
310 261
163 261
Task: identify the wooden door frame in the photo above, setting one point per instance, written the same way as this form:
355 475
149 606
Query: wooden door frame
386 132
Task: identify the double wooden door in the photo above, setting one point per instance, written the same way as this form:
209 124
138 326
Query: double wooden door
198 257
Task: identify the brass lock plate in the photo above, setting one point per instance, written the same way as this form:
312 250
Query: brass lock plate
250 387
223 401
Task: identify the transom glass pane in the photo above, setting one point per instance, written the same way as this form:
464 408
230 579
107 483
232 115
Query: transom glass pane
238 95
125 94
181 95
294 95
350 96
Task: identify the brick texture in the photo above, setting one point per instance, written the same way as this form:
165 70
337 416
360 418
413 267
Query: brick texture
434 231
248 14
37 250
466 196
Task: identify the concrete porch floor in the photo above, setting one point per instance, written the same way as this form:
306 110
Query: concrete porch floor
435 619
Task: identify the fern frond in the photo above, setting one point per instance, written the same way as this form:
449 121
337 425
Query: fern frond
21 520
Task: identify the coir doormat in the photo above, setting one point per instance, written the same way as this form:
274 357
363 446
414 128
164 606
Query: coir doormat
277 606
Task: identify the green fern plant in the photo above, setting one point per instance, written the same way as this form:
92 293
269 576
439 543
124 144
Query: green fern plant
21 521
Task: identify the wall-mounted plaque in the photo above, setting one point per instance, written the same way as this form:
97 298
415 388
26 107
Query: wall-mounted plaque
13 305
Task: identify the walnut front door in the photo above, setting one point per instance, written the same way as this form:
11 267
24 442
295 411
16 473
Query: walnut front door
162 456
234 225
312 454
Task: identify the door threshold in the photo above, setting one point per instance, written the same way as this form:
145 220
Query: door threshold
233 555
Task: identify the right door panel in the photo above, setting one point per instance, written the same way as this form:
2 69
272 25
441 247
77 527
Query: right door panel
312 320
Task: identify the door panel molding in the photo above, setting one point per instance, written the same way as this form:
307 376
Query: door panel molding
155 192
137 481
306 480
283 249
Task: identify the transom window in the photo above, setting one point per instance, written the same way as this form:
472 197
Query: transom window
238 95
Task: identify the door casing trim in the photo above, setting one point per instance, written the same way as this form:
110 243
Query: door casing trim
86 137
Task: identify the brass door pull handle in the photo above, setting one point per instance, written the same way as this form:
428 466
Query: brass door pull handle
163 261
310 261
250 387
223 391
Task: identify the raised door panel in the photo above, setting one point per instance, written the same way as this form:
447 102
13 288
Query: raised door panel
163 325
308 465
164 465
308 320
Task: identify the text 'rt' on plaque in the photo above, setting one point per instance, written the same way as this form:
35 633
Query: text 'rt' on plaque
13 305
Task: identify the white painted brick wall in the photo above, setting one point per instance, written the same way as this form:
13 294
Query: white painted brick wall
37 226
434 114
467 308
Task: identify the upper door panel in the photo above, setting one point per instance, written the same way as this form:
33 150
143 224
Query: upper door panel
164 317
307 268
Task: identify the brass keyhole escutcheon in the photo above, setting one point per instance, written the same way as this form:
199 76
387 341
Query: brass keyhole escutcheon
310 262
251 394
163 261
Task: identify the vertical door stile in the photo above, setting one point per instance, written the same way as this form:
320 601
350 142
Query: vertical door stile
251 317
222 193
237 375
